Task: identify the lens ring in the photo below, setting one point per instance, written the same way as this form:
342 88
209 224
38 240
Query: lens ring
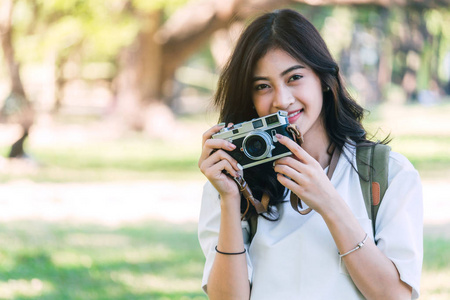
257 145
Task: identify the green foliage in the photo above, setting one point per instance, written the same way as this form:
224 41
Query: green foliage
95 29
438 24
102 27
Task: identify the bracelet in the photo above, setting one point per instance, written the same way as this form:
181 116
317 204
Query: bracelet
231 253
359 246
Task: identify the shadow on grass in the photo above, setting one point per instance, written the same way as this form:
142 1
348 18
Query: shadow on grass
148 260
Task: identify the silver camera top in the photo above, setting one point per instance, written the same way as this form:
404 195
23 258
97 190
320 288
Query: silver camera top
256 141
264 123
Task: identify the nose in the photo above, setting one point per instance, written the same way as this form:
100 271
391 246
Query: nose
283 98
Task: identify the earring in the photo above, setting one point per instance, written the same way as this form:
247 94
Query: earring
326 89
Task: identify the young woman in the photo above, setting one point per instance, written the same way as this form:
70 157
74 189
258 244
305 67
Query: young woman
281 63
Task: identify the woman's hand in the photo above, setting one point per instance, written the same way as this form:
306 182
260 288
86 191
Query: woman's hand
214 162
229 276
306 177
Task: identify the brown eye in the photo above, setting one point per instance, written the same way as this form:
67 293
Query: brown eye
295 77
261 87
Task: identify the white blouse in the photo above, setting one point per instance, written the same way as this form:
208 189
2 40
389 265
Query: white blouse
296 256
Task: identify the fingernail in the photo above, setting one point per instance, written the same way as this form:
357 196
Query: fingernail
278 136
273 164
240 167
221 124
232 146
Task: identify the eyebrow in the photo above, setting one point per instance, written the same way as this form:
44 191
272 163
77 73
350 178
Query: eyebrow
256 78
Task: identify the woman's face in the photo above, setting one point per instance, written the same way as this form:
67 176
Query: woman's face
281 82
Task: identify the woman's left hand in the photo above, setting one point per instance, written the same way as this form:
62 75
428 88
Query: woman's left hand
306 178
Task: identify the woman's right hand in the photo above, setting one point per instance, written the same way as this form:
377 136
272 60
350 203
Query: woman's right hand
214 162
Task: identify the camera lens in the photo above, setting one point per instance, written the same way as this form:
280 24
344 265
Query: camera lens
257 145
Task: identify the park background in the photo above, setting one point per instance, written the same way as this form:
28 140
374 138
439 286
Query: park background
103 104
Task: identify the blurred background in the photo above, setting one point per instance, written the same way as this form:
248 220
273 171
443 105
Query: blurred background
102 108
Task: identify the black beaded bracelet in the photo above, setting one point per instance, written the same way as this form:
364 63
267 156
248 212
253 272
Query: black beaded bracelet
231 253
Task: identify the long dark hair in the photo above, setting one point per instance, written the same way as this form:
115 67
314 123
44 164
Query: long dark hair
291 32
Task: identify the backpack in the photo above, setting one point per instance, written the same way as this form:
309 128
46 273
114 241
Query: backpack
373 166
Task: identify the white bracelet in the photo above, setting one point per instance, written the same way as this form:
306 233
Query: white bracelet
359 246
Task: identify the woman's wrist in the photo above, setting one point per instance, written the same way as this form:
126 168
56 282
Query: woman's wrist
343 225
230 201
333 208
232 198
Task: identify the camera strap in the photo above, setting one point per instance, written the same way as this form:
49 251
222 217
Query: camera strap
296 202
260 206
296 134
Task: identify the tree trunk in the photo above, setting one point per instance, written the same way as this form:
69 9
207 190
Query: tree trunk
140 82
8 49
16 107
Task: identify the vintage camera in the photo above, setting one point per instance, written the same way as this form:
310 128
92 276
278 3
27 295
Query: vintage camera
255 140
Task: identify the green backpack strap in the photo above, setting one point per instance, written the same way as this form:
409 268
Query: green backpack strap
373 167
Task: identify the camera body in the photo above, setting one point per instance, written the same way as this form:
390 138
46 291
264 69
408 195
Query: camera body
255 140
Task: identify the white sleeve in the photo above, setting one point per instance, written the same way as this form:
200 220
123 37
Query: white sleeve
208 231
399 224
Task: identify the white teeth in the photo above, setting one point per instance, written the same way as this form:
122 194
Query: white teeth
294 114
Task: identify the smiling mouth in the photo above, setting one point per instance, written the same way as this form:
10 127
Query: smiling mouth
291 115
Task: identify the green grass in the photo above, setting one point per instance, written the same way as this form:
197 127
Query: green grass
149 260
436 267
430 154
146 260
437 254
135 158
421 133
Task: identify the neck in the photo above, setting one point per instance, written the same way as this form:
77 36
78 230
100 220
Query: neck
317 146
